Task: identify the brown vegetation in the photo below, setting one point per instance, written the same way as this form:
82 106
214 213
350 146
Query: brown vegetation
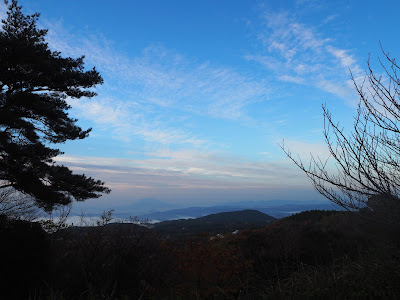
317 253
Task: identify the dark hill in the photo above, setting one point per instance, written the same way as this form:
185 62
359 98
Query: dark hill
248 216
215 223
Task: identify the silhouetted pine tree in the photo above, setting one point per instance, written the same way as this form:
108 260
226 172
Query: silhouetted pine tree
34 84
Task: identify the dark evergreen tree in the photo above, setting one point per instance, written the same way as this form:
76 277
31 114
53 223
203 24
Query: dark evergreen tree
34 85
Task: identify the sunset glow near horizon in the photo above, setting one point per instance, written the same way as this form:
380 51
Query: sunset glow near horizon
198 95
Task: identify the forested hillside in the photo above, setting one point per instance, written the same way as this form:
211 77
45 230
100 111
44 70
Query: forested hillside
314 253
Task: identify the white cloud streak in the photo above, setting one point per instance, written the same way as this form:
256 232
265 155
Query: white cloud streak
177 172
140 91
298 54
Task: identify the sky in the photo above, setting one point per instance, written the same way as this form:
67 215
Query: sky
198 96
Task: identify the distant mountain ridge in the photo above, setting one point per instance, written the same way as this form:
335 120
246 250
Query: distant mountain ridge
276 211
155 210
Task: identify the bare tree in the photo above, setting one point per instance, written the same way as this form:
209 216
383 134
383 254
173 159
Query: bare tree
366 160
15 204
57 219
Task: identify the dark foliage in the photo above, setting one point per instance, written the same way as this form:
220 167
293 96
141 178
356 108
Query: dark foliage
109 261
34 85
25 257
314 254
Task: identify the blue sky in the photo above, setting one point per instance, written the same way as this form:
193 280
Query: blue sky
198 94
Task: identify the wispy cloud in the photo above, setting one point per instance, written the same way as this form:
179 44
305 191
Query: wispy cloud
200 88
300 54
222 168
141 92
330 18
304 150
178 172
163 77
293 79
126 119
